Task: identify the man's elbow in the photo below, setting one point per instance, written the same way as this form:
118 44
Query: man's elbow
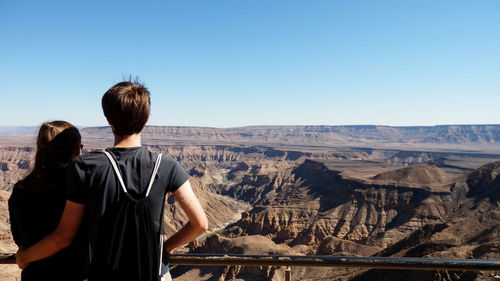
201 225
62 241
204 226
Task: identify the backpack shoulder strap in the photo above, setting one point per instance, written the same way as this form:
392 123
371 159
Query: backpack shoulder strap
117 171
119 175
155 171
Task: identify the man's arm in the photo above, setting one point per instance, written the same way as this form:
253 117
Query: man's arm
57 240
197 224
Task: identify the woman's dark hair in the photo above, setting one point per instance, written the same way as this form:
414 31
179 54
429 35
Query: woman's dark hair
56 144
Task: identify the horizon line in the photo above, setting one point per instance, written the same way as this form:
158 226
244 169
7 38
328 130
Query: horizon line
274 125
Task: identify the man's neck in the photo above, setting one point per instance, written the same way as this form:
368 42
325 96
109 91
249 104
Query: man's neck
128 141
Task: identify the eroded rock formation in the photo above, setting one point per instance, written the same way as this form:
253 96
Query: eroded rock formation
305 200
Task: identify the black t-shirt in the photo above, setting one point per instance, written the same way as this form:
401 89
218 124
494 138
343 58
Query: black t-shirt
92 181
34 215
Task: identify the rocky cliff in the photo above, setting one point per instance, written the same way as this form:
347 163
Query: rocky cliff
316 210
471 231
310 203
444 134
15 163
447 134
324 200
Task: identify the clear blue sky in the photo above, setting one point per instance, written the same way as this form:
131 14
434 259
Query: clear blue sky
254 62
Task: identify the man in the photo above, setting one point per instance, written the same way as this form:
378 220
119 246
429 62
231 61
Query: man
93 187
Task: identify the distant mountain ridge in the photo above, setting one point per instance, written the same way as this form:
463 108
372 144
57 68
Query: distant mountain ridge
442 134
18 130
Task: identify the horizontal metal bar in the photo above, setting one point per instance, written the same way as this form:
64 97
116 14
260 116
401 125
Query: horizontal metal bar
340 261
325 261
7 258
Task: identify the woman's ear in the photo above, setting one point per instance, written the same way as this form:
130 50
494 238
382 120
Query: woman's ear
77 152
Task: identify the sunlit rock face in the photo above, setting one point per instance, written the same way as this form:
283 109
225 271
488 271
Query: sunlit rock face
325 201
310 203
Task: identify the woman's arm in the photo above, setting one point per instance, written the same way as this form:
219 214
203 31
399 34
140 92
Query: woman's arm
197 224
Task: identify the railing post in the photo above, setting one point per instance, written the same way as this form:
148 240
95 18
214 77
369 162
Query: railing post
288 274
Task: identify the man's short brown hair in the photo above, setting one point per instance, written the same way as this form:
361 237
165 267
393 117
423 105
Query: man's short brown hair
126 105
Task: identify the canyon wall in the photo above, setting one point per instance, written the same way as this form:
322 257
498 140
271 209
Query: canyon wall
322 200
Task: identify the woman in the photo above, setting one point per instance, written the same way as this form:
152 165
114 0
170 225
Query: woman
38 200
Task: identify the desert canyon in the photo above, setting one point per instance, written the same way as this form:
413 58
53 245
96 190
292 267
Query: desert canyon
317 190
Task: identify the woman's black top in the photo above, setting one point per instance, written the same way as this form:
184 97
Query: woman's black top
34 215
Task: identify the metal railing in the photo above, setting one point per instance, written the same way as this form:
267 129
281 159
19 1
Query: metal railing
340 261
325 261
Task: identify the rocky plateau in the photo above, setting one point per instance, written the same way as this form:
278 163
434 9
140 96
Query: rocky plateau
300 190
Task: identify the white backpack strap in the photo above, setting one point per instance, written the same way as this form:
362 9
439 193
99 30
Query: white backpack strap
157 165
115 167
155 171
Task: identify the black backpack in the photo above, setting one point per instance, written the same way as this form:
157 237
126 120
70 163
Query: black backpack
127 246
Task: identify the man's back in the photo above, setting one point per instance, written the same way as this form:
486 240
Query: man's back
93 182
